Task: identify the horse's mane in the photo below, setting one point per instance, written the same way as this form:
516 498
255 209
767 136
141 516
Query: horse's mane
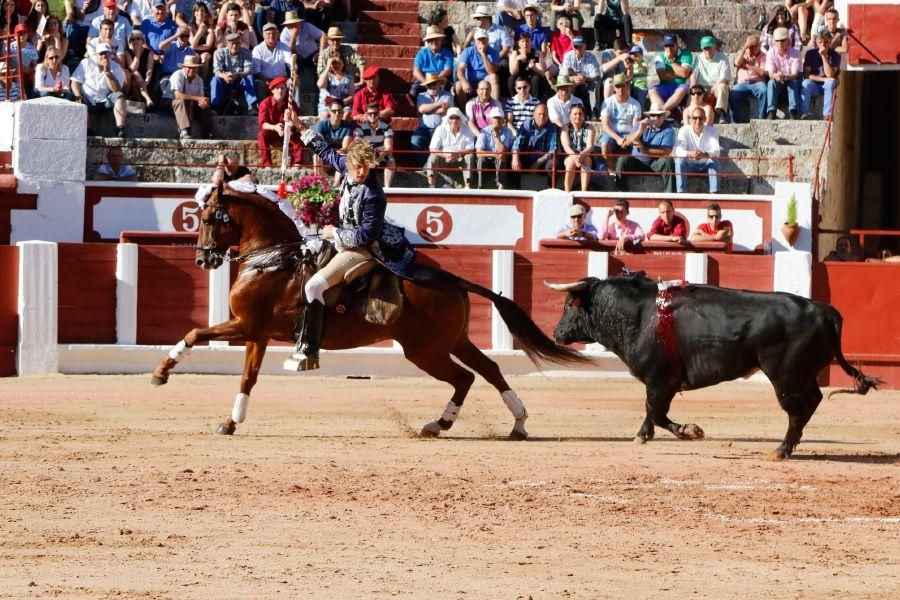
260 202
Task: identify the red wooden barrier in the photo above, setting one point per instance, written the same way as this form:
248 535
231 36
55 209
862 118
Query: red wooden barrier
173 294
9 309
87 293
742 271
531 269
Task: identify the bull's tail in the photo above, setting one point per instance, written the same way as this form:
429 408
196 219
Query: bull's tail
537 346
863 382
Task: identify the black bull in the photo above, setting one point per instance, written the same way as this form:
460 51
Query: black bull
692 336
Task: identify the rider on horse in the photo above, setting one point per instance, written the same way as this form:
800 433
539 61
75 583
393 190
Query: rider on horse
361 234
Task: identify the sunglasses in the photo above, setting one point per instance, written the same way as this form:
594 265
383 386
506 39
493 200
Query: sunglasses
668 45
700 118
713 216
621 85
52 58
372 114
697 93
521 87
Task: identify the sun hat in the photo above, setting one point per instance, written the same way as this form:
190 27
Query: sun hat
479 33
455 112
276 82
433 32
780 34
334 33
192 61
291 17
670 39
432 78
577 210
707 41
657 109
481 11
370 72
620 79
563 81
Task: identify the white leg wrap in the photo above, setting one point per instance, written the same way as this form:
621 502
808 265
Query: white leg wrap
179 351
239 412
515 406
451 412
315 288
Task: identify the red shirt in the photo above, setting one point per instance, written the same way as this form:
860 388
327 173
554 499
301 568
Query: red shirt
270 113
364 97
705 228
678 228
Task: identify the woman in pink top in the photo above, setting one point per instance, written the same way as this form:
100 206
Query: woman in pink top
621 228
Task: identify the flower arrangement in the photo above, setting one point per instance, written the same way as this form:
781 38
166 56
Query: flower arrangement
315 201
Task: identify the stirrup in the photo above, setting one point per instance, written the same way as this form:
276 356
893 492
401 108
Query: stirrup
299 362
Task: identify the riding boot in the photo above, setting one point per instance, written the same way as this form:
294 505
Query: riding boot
309 339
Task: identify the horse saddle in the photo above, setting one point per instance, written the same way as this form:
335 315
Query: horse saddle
369 289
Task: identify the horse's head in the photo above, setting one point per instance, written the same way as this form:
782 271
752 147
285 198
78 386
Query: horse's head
218 231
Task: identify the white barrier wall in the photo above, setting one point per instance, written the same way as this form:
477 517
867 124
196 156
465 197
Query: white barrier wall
38 324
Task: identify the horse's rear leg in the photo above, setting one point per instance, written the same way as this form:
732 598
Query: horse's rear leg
442 367
253 358
476 360
229 330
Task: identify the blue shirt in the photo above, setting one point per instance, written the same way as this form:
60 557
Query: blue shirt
335 135
539 34
433 120
429 62
173 56
532 139
486 140
475 70
654 139
155 32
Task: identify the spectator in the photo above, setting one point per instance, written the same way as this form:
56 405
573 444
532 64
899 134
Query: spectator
821 68
479 108
304 38
271 60
621 228
558 106
510 13
651 148
189 103
53 37
843 251
638 75
121 25
441 20
498 35
371 94
451 146
431 59
612 21
432 105
520 107
538 34
229 168
571 9
115 169
203 37
182 11
271 126
884 255
614 62
353 61
783 67
668 227
380 137
618 118
696 151
525 61
673 65
715 229
13 92
78 24
98 84
535 144
712 70
232 74
780 18
141 64
335 83
561 40
39 10
800 14
478 62
578 229
335 130
175 49
492 144
318 12
583 70
138 10
29 56
751 78
577 139
52 77
158 27
698 99
237 19
106 35
838 41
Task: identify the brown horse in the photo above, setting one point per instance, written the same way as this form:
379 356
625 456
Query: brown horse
267 300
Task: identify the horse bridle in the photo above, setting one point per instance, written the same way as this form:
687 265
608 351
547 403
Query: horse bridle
220 216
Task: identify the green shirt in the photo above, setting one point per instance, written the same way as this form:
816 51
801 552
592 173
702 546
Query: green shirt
683 58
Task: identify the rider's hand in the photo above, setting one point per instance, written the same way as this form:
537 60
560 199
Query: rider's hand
328 232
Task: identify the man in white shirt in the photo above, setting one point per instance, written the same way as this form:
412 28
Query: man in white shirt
583 70
558 105
188 100
99 85
696 151
618 118
271 59
712 70
305 39
452 145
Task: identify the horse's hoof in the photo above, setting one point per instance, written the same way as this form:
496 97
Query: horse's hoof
777 456
640 440
431 430
226 429
690 431
517 436
159 380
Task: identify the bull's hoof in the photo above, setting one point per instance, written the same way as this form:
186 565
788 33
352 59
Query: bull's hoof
226 429
156 380
690 431
431 430
517 435
777 456
640 440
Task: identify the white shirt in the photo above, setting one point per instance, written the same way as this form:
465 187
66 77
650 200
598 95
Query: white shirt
122 28
141 9
587 65
307 39
445 140
688 141
43 78
559 110
94 85
271 63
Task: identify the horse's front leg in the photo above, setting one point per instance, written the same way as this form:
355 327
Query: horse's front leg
227 331
253 358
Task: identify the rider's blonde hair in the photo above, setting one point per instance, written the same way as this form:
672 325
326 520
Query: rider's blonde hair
361 154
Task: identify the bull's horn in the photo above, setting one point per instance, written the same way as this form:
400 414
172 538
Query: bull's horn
576 286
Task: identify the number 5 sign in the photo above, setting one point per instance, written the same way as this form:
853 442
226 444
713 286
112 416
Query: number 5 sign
434 223
186 217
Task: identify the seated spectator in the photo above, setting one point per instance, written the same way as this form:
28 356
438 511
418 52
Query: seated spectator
271 126
577 139
229 168
236 18
432 105
539 35
52 77
800 14
510 13
452 145
182 9
525 61
673 66
335 83
698 99
106 35
583 70
843 251
77 24
621 228
158 27
13 92
561 40
369 94
498 35
617 61
322 12
354 62
478 62
232 76
885 255
558 106
696 151
492 144
534 145
120 23
780 18
783 67
271 60
821 68
618 118
638 75
578 229
440 19
189 103
751 78
138 10
175 49
98 84
715 229
380 136
115 169
668 227
479 108
305 39
432 59
651 148
335 130
839 37
571 9
53 37
29 55
712 70
612 21
520 107
203 36
141 64
278 10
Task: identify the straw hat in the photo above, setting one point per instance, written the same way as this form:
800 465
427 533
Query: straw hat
191 60
657 109
433 32
481 11
334 33
432 78
291 17
563 81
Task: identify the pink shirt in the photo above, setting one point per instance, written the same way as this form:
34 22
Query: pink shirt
789 64
744 75
613 230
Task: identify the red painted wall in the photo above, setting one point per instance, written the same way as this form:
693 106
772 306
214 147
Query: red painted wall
173 294
876 26
87 293
531 269
742 271
9 309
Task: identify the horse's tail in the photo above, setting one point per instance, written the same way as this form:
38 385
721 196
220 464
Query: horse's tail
537 346
862 381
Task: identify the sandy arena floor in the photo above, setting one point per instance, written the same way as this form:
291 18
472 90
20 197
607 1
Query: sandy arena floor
112 488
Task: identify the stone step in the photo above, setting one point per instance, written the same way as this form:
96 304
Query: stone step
382 16
789 133
390 39
389 5
372 51
389 62
366 30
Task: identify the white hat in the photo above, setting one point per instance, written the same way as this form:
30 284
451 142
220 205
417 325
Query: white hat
455 112
657 109
495 113
102 47
479 33
481 11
